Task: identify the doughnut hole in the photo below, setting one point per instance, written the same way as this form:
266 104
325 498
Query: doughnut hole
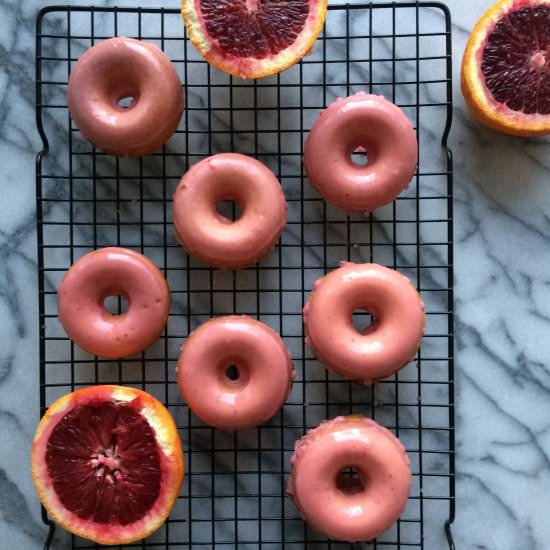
350 481
361 153
123 96
360 157
363 321
126 102
233 374
229 211
116 304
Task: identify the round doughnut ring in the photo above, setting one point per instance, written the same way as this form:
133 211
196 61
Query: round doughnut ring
110 272
122 68
235 372
361 122
215 239
341 507
384 347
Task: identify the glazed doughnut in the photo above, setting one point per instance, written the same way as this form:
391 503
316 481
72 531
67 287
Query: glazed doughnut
344 508
110 272
120 68
213 238
387 345
380 128
234 372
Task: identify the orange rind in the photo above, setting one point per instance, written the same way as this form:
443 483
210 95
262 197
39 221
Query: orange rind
505 74
107 463
250 39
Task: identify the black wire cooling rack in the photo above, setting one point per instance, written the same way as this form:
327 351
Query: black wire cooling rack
234 493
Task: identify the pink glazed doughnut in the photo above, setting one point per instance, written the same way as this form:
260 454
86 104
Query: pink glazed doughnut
234 372
110 272
120 68
388 344
344 508
213 238
379 127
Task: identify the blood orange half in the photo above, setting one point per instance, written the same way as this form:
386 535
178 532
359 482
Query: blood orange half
506 68
107 463
253 38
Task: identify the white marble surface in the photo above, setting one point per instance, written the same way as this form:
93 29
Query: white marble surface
502 227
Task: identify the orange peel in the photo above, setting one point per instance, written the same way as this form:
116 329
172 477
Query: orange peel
481 100
73 463
266 50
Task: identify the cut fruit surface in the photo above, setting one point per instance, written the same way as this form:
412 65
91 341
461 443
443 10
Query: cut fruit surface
107 463
506 68
253 38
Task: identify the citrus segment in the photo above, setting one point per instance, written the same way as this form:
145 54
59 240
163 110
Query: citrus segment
253 38
515 62
506 68
107 463
254 29
104 463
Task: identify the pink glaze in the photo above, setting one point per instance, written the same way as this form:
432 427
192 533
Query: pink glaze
119 68
264 366
111 272
215 239
388 344
366 122
341 508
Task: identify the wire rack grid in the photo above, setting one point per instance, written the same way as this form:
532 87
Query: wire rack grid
234 494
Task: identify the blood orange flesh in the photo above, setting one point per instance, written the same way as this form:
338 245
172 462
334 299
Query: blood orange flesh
506 68
516 60
104 462
254 28
107 463
253 38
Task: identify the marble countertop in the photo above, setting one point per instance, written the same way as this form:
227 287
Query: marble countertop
502 230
